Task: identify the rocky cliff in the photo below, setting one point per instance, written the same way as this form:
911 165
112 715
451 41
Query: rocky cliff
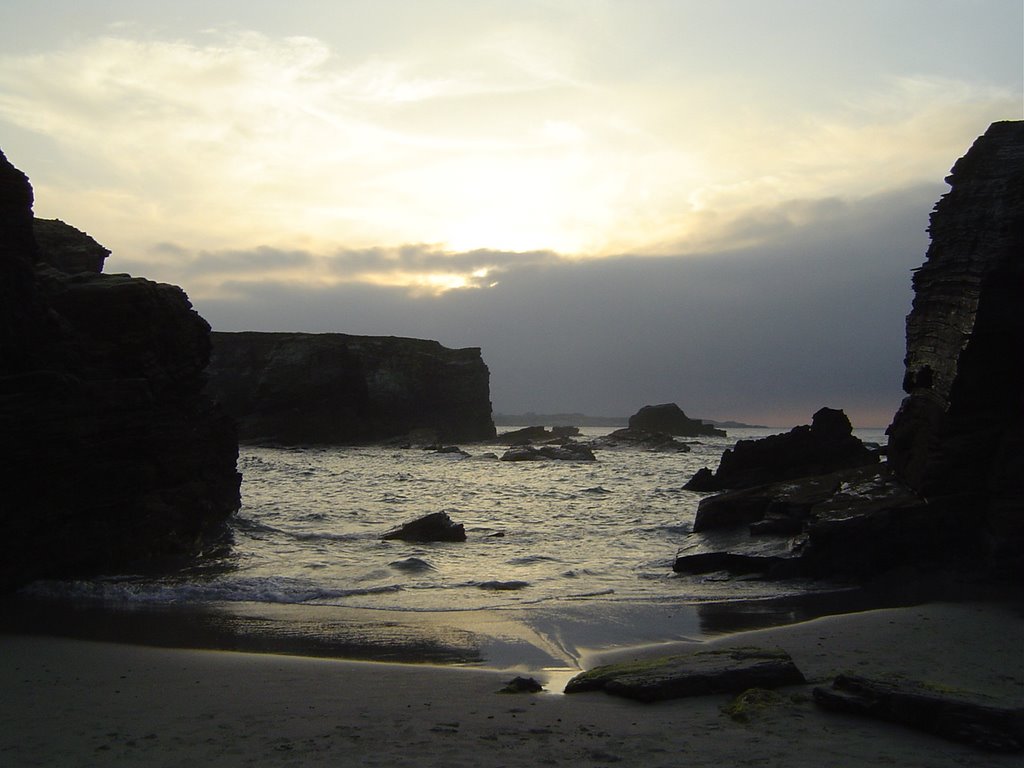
111 455
332 388
952 492
958 437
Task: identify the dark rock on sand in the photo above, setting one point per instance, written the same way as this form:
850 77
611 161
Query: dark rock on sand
827 445
113 456
955 715
958 437
437 526
670 419
333 388
729 670
522 685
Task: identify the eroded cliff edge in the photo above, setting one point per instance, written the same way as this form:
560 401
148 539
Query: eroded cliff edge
951 495
334 388
112 456
958 437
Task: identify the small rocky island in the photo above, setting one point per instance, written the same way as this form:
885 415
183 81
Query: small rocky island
670 419
333 388
113 457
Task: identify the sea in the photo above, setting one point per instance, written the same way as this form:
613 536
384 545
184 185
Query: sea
580 552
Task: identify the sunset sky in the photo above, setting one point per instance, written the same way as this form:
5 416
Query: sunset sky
712 203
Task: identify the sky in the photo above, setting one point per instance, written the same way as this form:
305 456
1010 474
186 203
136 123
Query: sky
717 204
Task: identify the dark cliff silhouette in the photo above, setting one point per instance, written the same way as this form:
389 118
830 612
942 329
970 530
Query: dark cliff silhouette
111 455
952 491
333 388
958 437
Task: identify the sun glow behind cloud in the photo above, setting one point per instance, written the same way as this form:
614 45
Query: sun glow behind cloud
511 142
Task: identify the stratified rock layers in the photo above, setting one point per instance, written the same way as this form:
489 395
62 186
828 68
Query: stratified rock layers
952 491
958 438
333 388
112 457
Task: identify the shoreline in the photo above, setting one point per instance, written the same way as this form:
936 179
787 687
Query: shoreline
558 634
76 702
565 635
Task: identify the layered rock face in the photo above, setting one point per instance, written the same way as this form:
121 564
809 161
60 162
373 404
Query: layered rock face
332 388
958 438
112 455
952 491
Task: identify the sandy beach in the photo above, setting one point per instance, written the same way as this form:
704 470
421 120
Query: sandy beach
83 703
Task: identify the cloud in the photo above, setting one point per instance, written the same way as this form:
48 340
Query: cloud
762 334
518 137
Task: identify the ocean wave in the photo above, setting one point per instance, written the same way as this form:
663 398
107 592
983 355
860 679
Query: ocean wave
412 565
532 560
249 526
256 590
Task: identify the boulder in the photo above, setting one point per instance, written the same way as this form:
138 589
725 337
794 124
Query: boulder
827 445
437 526
114 458
956 715
333 388
670 419
522 685
730 670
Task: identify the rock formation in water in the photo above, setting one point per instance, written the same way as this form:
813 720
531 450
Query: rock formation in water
669 419
958 437
437 526
952 491
640 439
332 388
827 445
112 456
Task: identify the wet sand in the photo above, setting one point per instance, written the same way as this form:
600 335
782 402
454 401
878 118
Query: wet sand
74 702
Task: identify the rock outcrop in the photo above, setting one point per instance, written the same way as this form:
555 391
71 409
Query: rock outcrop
641 439
68 249
952 491
827 445
954 715
437 526
332 388
729 670
958 437
669 419
562 450
112 456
